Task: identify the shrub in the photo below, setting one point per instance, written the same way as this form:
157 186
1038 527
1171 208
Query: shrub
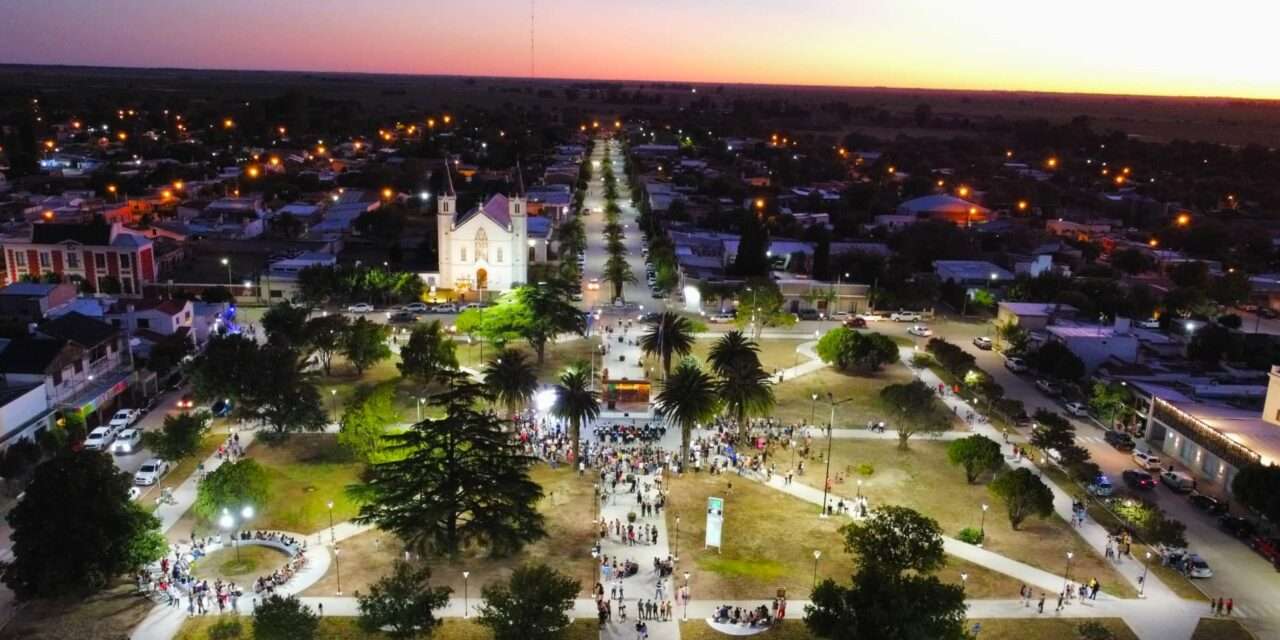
970 535
921 360
226 630
1093 630
631 516
866 469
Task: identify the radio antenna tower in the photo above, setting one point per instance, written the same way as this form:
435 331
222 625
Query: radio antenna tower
532 5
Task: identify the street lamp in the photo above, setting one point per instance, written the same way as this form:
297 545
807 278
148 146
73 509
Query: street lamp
813 407
676 556
686 595
595 569
333 402
333 538
337 567
227 263
982 524
964 580
1068 574
1142 582
826 484
226 522
466 608
859 489
817 553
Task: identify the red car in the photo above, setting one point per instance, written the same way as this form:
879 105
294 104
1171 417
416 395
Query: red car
1268 547
855 323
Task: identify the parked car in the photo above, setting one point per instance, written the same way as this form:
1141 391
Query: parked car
808 314
1238 526
1138 479
871 317
473 305
1023 419
1177 481
1147 460
415 307
1077 409
842 316
150 472
362 307
221 408
720 318
1268 312
127 442
445 307
124 418
1268 547
1048 387
1195 567
982 342
1016 365
906 316
402 317
576 296
99 439
855 323
920 330
1101 486
1149 323
1120 440
1207 503
659 294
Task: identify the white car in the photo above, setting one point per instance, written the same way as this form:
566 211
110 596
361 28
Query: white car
720 318
1077 409
593 284
415 307
1149 323
447 307
841 316
127 442
1147 460
124 418
906 316
871 317
99 439
1196 567
920 330
1016 365
363 307
983 342
150 472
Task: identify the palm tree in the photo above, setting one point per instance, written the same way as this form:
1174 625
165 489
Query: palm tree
511 380
618 272
688 397
669 334
575 402
743 385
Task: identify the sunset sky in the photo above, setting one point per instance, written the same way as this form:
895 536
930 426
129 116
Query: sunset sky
1176 47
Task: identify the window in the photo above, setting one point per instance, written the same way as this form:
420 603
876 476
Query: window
100 259
499 254
482 245
20 258
57 377
463 253
78 366
44 260
126 285
73 260
144 323
124 261
115 322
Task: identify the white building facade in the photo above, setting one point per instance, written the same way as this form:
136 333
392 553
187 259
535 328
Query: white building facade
486 248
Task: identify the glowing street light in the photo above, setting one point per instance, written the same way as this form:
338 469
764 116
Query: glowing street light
1183 219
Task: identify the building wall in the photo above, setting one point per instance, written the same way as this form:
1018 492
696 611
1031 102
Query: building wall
20 412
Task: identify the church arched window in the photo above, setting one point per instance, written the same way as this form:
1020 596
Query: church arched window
482 245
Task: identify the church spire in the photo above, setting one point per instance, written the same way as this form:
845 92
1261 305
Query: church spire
519 181
448 180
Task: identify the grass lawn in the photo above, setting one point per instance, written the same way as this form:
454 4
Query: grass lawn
1220 629
112 613
1172 578
769 539
559 356
251 562
774 353
336 628
569 512
795 397
992 629
899 476
305 471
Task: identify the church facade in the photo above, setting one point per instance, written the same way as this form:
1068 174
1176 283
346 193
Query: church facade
484 249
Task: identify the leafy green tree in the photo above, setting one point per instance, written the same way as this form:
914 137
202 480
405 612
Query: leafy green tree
286 323
429 352
511 380
179 437
1094 630
536 313
760 305
1209 345
365 344
455 481
849 349
978 454
1052 431
668 335
688 398
284 395
401 604
531 605
1054 359
232 485
226 368
318 285
1024 494
1111 401
284 618
897 549
325 335
366 418
1132 261
577 404
1257 486
76 529
752 260
168 353
1012 337
916 410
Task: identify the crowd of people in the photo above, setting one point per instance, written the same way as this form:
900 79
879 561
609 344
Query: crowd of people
761 616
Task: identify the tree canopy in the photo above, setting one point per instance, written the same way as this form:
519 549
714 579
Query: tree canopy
429 352
1024 494
284 618
530 605
365 420
365 344
232 486
688 397
180 436
916 409
978 454
849 349
402 603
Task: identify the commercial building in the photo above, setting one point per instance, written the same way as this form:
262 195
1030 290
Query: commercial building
107 258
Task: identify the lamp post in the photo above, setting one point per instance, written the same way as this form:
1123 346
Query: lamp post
337 567
676 556
419 409
466 608
1068 574
227 263
964 580
333 538
859 489
333 403
813 407
826 483
982 524
1142 582
817 553
686 595
228 522
595 570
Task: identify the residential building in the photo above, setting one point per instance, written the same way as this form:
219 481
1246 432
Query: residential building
1095 344
32 301
100 255
1032 316
973 273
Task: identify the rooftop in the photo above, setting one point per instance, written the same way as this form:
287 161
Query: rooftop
1037 309
79 328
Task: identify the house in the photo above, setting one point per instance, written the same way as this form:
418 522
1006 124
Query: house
1032 316
973 273
163 317
31 301
24 412
104 257
552 201
824 297
281 280
1095 344
944 207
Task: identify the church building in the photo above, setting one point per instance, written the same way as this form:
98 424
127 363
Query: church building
487 248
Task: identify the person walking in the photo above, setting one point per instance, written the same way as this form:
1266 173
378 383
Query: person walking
1040 607
1231 604
1061 595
